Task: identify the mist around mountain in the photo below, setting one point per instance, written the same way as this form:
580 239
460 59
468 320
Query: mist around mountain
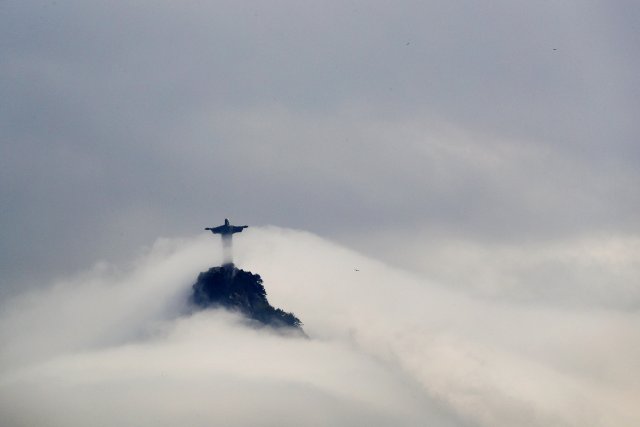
242 291
113 344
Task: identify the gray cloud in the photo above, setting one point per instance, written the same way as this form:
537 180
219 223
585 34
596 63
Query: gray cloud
125 122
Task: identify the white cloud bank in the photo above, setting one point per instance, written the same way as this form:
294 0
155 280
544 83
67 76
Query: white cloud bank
112 348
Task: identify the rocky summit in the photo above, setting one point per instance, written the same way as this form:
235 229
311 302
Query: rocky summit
239 290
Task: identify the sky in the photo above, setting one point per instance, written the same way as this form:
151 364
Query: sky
488 149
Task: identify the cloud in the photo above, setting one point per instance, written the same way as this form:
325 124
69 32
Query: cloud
111 346
209 369
490 147
590 270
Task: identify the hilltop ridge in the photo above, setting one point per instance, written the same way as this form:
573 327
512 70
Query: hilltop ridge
238 290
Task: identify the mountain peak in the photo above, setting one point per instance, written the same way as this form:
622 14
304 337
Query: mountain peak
239 290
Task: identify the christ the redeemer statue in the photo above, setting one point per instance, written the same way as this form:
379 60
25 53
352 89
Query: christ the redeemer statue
226 231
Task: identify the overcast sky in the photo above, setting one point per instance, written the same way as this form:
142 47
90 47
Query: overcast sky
489 149
371 123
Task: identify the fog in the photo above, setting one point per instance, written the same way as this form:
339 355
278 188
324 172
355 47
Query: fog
114 346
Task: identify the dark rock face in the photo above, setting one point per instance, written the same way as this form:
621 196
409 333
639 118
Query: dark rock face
239 290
